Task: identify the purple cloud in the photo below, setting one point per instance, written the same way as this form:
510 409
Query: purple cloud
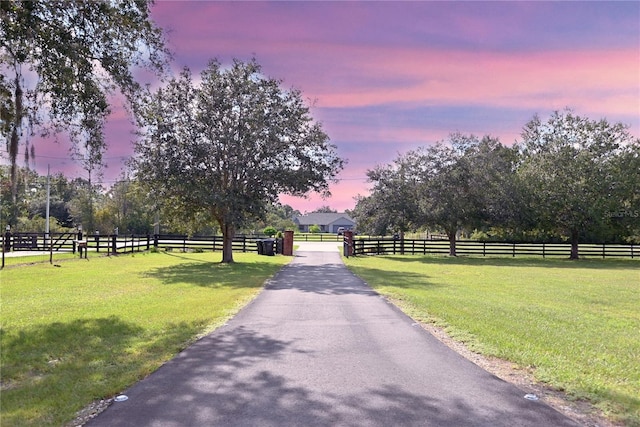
390 76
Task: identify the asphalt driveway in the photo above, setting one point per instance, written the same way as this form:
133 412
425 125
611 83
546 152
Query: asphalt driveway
318 347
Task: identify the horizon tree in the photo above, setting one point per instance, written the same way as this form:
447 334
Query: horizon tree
570 167
228 146
60 61
464 184
392 203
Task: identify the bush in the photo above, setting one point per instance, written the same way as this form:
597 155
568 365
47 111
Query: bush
314 229
270 231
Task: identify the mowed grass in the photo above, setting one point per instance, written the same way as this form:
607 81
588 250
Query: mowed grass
11 261
575 324
86 330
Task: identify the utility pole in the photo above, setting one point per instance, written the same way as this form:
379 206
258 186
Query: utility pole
46 231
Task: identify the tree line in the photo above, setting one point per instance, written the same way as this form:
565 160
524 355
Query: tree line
568 178
218 151
124 206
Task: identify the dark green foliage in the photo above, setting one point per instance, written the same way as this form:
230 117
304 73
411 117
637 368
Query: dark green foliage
269 231
81 52
577 173
226 148
570 178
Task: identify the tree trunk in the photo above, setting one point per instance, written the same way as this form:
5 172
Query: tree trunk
14 143
228 233
574 245
452 242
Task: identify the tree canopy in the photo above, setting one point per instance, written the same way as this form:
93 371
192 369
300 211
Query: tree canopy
60 61
230 145
568 178
571 168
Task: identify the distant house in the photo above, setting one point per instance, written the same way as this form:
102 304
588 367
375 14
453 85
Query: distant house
328 222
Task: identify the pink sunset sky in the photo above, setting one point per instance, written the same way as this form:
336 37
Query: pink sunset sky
386 77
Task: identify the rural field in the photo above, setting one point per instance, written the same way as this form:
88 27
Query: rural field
85 330
574 324
82 330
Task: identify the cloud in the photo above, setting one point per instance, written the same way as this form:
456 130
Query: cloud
387 77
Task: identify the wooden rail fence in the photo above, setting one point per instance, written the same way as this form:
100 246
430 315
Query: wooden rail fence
374 246
115 244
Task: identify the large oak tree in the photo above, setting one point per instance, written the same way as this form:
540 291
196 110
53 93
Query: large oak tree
392 205
465 182
228 146
460 183
578 172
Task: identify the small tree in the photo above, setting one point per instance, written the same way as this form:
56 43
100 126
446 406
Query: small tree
230 145
315 228
270 231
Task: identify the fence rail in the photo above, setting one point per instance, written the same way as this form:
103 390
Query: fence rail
465 247
114 244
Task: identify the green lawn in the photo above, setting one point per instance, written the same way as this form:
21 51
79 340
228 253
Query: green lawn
85 330
11 261
575 324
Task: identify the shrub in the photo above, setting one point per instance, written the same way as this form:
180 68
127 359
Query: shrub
270 231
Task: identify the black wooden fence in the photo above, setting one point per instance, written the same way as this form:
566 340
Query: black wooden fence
374 246
115 244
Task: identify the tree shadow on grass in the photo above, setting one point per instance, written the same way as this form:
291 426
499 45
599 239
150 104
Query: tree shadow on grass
215 275
51 371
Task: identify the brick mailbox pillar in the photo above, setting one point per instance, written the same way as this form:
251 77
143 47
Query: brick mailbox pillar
287 246
348 243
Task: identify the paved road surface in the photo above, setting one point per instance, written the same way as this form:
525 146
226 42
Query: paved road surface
320 348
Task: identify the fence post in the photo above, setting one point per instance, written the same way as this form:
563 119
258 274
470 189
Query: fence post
184 243
7 240
632 251
603 251
514 250
543 253
114 247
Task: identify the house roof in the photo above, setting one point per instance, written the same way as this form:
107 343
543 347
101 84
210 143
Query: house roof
322 218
